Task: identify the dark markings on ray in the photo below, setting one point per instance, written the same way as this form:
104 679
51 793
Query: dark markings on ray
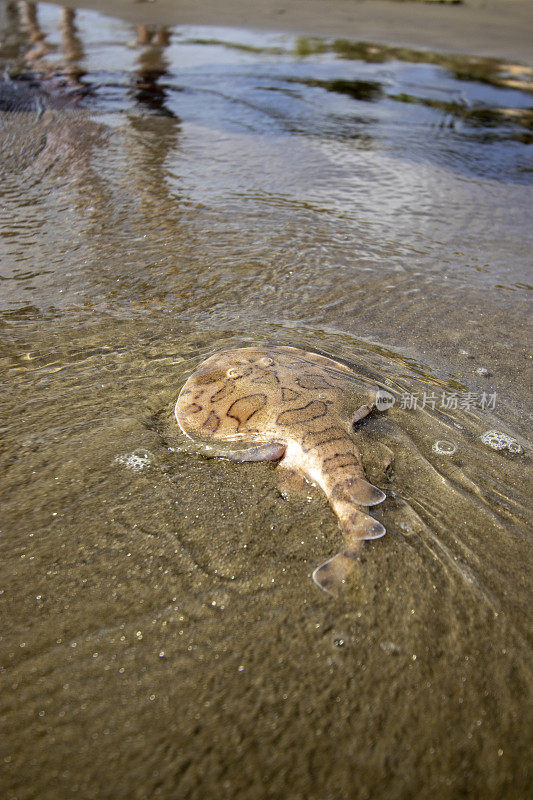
313 410
212 422
266 377
226 390
244 408
339 461
192 408
319 438
313 382
288 394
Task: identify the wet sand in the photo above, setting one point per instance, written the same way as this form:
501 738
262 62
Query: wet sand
497 28
163 637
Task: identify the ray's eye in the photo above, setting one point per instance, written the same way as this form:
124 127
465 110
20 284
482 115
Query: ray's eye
266 361
234 372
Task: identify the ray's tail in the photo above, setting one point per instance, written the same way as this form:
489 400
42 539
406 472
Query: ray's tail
350 499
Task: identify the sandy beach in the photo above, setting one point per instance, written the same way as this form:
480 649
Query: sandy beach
498 28
172 190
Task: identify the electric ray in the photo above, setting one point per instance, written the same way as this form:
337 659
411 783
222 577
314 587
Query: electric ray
255 404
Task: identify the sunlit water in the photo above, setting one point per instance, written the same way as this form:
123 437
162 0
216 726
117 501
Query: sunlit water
167 193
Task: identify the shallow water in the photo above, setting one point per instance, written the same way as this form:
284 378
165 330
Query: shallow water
169 193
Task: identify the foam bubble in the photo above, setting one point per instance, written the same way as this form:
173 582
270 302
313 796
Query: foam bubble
135 461
501 441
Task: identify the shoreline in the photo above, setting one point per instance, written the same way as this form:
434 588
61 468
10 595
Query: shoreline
500 29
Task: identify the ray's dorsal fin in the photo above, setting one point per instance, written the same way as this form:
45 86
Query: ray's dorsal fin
360 491
333 573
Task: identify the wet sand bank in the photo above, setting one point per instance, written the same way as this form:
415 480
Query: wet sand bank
498 28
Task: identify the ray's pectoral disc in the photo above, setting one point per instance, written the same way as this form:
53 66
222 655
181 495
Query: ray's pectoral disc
282 403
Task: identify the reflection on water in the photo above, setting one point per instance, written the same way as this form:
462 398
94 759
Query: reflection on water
170 192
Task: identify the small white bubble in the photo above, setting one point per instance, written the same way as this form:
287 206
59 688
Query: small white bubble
444 448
